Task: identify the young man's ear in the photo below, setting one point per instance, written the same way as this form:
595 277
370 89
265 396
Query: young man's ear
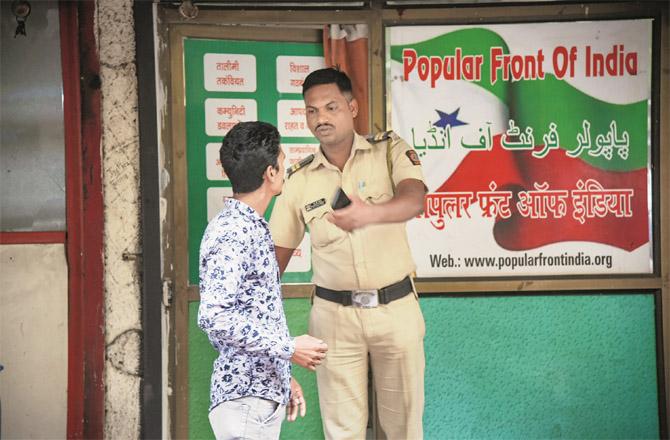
271 173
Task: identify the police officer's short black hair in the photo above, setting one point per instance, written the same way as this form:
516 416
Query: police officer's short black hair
246 152
328 75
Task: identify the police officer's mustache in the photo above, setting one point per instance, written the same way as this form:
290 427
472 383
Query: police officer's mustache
323 125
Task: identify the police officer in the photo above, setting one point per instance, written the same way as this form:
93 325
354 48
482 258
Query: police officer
365 307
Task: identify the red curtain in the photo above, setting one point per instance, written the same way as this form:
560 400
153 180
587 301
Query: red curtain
346 47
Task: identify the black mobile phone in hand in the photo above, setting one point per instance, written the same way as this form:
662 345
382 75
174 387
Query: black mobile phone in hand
340 200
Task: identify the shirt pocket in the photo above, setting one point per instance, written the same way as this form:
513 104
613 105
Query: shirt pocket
378 190
322 232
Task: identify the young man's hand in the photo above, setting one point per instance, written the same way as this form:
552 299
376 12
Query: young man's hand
309 352
297 403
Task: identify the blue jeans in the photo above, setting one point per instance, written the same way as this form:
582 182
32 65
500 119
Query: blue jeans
248 418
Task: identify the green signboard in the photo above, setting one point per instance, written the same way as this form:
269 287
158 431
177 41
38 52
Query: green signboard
228 81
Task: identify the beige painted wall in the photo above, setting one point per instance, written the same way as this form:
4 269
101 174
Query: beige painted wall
33 341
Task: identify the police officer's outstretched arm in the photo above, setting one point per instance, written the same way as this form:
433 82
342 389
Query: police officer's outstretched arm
406 204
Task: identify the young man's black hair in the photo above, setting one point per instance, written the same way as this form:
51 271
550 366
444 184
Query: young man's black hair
328 75
246 152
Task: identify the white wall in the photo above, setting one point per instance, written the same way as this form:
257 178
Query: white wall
121 195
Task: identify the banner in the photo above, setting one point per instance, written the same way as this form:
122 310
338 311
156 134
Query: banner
229 81
535 143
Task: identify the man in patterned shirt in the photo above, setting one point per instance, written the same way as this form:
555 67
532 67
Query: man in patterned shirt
240 297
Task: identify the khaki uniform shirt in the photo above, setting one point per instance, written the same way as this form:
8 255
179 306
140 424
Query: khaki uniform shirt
367 258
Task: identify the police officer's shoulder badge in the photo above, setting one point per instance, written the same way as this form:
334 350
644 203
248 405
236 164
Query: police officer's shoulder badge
297 166
413 157
381 136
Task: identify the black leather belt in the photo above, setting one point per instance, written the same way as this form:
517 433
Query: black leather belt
385 294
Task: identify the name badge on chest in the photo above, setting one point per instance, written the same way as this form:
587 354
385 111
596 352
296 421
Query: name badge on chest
315 204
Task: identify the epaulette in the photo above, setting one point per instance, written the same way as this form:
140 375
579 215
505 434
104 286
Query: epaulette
297 166
381 136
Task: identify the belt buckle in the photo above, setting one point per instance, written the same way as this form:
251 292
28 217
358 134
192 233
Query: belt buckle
365 298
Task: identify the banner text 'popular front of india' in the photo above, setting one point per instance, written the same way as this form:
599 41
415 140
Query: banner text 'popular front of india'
535 141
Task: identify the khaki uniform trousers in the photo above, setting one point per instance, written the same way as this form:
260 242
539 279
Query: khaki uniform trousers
392 334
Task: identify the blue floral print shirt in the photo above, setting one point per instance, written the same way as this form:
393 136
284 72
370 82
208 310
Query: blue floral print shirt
241 308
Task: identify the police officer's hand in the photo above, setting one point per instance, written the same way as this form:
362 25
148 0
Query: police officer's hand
296 402
354 216
309 352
